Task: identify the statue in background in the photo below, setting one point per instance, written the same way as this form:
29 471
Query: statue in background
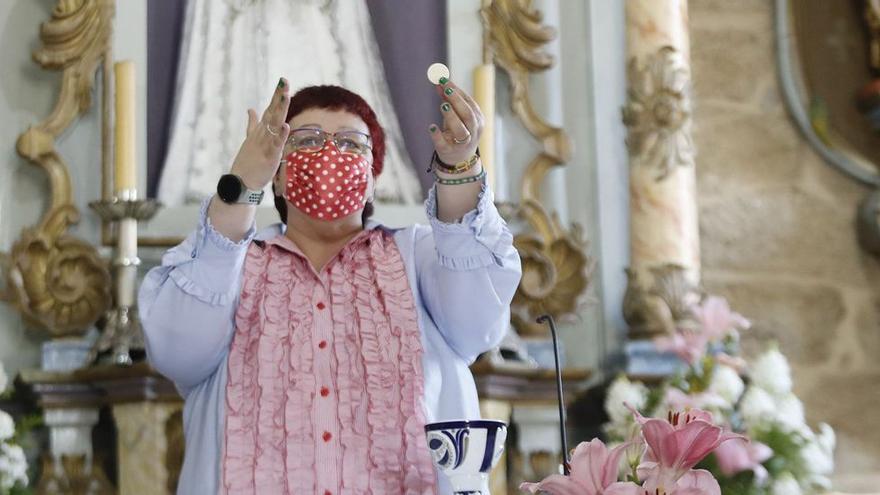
872 18
869 97
232 52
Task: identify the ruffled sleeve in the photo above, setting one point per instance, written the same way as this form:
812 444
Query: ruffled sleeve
187 304
468 272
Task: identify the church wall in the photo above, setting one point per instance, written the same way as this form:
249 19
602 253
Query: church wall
778 235
25 98
777 229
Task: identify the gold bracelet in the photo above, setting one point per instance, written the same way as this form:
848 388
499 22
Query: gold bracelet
459 168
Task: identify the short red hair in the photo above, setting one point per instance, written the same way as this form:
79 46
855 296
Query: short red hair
338 98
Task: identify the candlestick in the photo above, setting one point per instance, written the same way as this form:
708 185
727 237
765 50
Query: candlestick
484 94
125 176
122 330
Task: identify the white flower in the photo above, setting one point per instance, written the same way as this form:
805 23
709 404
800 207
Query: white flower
757 406
785 485
13 466
818 453
826 438
622 391
726 383
816 459
7 426
772 373
818 483
4 380
790 413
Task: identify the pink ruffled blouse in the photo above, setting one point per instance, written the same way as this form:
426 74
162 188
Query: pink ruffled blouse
325 371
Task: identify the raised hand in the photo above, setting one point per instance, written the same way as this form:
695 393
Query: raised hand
259 156
462 124
457 142
256 163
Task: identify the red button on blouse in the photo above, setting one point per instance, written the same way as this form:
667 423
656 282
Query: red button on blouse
322 344
320 305
327 436
325 391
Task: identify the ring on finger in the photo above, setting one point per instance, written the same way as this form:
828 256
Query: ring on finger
271 130
462 140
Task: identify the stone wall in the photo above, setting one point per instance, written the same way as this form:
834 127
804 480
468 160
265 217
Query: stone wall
778 236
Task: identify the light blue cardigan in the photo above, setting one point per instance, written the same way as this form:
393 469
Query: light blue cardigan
463 277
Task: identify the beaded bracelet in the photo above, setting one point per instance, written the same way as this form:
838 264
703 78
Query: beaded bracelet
459 168
463 180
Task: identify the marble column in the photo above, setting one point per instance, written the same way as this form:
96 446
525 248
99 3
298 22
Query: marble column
150 446
664 235
538 443
500 410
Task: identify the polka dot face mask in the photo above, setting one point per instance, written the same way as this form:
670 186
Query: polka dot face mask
328 185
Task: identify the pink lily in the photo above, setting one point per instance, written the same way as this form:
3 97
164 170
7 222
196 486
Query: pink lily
717 320
676 445
735 457
693 482
594 471
688 345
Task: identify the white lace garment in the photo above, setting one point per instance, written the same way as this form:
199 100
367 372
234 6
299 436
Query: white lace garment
232 54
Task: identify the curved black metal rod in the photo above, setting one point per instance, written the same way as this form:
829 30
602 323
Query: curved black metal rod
566 467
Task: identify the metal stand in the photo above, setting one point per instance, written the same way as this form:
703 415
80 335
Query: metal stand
122 331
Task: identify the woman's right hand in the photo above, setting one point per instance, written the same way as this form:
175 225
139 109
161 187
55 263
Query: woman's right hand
259 156
256 163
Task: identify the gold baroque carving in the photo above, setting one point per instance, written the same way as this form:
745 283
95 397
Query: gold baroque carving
556 267
657 301
59 282
556 273
73 475
175 449
872 19
657 114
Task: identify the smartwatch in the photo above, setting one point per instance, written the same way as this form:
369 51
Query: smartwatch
231 190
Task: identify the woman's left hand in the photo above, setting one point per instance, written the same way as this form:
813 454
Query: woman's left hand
463 121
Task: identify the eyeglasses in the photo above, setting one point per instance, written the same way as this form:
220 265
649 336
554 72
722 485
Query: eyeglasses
311 140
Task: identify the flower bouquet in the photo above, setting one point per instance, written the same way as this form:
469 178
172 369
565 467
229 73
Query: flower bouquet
13 464
660 459
751 398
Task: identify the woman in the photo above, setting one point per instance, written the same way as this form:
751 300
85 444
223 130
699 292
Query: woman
311 354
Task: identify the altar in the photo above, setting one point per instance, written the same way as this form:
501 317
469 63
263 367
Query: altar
680 212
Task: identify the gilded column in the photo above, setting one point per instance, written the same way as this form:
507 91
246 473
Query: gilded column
664 235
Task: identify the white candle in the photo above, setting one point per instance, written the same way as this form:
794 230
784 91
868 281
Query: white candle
125 172
484 94
502 186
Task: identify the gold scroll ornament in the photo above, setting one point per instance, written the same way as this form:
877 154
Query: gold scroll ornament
556 267
58 282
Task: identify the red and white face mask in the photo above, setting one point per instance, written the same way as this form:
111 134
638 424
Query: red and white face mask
328 185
